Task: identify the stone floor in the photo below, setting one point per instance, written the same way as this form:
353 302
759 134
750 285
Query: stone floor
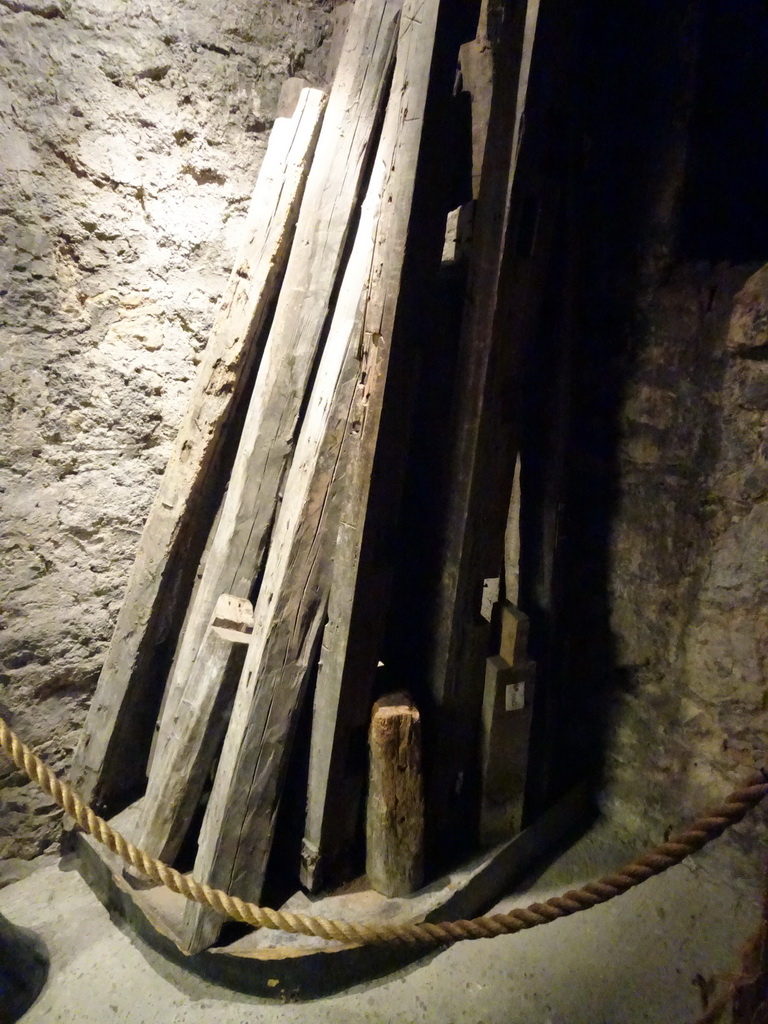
634 960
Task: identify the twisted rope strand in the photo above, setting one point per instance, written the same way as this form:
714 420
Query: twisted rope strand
654 862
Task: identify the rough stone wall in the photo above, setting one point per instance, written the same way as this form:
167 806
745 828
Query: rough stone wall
130 138
665 632
689 552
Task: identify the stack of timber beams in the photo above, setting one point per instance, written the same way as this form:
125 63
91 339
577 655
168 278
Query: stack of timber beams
264 579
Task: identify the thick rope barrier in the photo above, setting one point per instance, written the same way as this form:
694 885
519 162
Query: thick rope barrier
654 862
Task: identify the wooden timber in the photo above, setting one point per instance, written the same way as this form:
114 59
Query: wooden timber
187 742
295 589
394 860
514 628
482 431
476 63
193 592
506 726
237 833
357 603
543 299
118 719
276 965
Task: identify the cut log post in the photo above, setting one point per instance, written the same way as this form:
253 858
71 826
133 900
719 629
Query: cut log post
394 859
118 713
343 692
186 744
236 835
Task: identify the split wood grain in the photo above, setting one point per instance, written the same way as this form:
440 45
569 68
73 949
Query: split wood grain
394 859
236 836
187 743
101 767
349 653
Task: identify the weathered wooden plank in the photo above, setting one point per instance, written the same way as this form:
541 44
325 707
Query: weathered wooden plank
394 861
236 837
292 601
505 728
167 693
482 432
481 325
343 692
100 768
187 742
514 629
506 724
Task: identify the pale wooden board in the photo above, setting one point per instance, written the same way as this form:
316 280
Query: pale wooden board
514 628
278 965
101 767
187 741
343 693
292 602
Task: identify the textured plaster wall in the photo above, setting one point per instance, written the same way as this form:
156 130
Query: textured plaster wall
130 138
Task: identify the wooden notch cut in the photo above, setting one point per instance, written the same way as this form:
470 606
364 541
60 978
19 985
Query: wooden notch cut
233 619
268 439
458 234
395 812
117 715
514 628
